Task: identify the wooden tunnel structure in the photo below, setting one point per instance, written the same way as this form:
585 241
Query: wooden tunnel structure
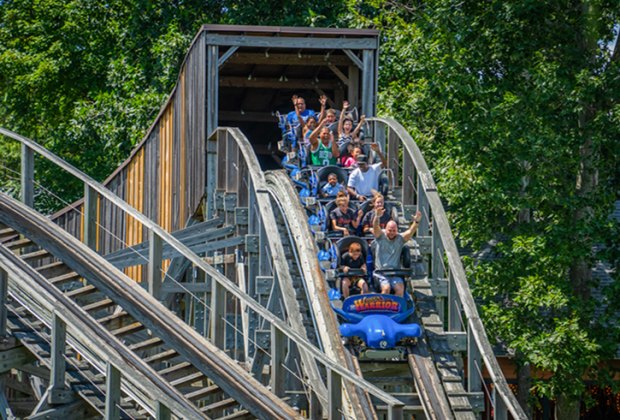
205 232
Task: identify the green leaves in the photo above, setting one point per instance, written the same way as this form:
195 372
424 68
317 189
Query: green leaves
516 109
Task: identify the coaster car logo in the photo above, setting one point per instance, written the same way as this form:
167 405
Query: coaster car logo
376 303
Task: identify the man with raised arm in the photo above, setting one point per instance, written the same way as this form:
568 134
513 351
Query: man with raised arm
387 247
300 113
323 148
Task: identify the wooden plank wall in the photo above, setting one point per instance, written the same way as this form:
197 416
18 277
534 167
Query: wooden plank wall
135 197
166 214
164 177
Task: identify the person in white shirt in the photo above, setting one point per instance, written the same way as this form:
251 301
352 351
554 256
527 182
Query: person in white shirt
364 180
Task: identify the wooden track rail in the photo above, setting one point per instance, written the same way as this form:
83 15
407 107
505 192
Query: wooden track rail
412 176
233 144
216 365
285 195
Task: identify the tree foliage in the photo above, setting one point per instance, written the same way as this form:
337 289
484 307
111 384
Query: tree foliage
514 103
86 79
516 107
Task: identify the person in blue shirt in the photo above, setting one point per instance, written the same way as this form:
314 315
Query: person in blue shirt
332 188
300 110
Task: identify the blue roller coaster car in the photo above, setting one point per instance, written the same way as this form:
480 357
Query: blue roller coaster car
377 319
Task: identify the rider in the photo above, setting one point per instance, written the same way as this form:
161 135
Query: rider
352 259
324 152
387 248
364 180
343 218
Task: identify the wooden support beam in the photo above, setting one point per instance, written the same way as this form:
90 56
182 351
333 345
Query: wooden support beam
212 92
185 287
368 83
15 357
279 59
4 282
27 176
339 74
154 268
169 252
290 42
501 412
334 387
59 339
162 412
5 409
474 364
278 355
218 314
274 83
354 58
204 231
90 217
113 393
225 56
395 412
250 116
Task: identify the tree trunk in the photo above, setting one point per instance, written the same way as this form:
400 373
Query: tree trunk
524 384
567 407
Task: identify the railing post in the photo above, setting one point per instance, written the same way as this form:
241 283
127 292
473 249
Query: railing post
474 360
454 308
316 410
409 180
27 176
392 155
437 267
211 175
368 85
278 354
218 311
334 391
113 393
58 392
379 134
395 412
90 217
154 266
424 208
162 412
4 287
500 412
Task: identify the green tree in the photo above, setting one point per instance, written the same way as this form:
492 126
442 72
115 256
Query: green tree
516 107
86 79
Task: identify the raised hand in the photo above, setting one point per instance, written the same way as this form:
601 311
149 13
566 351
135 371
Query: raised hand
374 147
345 105
294 99
323 100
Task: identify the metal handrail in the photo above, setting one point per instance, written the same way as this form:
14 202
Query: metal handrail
456 266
